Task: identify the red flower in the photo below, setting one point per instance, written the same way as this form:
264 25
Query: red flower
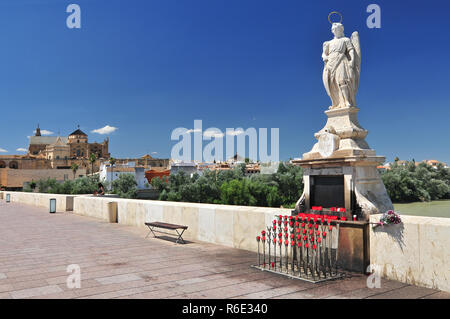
286 242
286 235
298 230
330 227
285 217
304 231
314 246
274 227
292 236
316 226
291 224
280 241
274 240
296 224
296 218
280 234
305 238
319 239
285 228
273 264
306 245
312 238
292 243
274 222
311 232
299 245
309 225
280 217
324 234
264 238
258 238
303 225
279 222
318 233
263 232
290 217
299 237
285 222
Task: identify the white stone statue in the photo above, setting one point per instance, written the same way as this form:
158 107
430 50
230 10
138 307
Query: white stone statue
342 58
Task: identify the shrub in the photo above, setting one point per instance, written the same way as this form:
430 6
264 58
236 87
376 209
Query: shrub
125 186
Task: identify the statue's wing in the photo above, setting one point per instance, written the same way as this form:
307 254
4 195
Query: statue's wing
357 46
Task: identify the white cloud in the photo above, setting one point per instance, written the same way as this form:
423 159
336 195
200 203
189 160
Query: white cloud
154 153
235 132
3 150
45 132
105 130
21 149
213 133
193 131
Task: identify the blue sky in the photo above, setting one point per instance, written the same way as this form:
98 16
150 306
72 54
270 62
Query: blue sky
150 66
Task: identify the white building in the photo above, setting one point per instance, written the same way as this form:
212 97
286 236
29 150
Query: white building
188 167
108 174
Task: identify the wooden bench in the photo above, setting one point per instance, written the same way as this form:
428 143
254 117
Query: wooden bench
175 227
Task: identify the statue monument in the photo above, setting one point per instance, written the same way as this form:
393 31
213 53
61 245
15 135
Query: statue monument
341 168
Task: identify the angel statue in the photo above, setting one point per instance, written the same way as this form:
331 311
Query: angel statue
342 57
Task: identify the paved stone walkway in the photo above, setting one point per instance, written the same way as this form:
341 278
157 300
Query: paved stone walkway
117 262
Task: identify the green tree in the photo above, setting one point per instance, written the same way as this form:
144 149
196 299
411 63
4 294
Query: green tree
112 162
74 167
125 186
92 160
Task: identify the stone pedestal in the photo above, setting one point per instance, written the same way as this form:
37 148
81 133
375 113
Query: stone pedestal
341 150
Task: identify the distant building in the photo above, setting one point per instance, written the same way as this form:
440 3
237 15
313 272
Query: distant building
146 161
157 172
15 179
251 169
188 167
74 146
110 173
434 163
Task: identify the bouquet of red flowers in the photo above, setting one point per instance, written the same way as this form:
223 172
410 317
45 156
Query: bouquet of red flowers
389 218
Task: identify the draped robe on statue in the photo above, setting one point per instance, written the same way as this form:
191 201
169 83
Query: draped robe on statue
339 77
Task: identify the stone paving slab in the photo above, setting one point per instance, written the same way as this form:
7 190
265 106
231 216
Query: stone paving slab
116 261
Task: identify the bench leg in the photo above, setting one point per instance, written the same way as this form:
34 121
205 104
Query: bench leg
179 236
151 231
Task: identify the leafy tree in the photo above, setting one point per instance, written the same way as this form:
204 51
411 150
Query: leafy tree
125 186
92 160
74 167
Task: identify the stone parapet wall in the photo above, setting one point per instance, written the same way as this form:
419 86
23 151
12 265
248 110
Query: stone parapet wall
63 202
416 252
233 226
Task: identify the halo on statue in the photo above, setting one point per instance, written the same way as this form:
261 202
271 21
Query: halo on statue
333 13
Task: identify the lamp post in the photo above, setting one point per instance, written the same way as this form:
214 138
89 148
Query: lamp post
52 205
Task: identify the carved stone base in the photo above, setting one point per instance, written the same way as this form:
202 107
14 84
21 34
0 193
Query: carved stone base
348 134
341 150
364 191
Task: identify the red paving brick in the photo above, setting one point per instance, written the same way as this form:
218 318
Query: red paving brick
116 261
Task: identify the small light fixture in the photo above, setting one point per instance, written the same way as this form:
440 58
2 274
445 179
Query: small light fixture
8 198
52 205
